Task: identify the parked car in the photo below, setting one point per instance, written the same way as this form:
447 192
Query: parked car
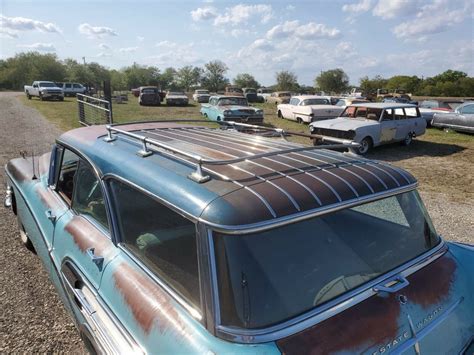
251 95
44 90
264 93
400 100
373 124
233 90
176 98
461 120
136 92
279 97
346 101
149 95
201 96
308 108
441 105
231 108
189 239
72 89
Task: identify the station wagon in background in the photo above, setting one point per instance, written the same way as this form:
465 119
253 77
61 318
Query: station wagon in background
201 96
149 95
279 97
373 124
308 108
181 239
461 120
233 90
264 93
231 108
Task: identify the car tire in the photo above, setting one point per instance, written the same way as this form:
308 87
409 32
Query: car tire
408 140
365 146
28 95
299 120
61 99
205 115
279 114
41 97
25 239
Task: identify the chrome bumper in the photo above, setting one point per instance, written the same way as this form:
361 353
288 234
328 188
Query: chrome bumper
7 202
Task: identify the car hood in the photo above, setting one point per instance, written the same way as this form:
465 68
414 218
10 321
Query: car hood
343 124
237 108
50 88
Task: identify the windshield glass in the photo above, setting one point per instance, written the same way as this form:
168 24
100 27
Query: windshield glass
202 92
239 101
47 84
369 113
234 90
269 277
149 91
176 93
250 91
284 94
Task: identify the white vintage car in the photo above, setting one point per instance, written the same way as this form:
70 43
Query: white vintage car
308 108
373 124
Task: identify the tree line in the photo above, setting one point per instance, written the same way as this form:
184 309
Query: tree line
24 68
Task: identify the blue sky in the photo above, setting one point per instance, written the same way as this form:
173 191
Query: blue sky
364 37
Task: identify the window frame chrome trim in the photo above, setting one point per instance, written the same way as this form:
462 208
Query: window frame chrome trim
320 313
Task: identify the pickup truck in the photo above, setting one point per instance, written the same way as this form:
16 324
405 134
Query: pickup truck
44 90
71 89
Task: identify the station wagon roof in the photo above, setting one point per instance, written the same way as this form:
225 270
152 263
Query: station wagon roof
383 105
264 191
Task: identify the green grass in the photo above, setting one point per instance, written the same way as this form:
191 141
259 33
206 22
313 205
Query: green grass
64 115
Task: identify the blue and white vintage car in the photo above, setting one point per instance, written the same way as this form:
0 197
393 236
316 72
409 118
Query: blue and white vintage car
180 239
231 108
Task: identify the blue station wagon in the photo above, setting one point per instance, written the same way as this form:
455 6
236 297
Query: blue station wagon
231 108
181 239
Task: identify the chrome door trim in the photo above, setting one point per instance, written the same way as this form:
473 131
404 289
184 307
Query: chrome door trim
318 314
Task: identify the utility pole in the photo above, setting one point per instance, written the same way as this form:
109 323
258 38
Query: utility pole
84 60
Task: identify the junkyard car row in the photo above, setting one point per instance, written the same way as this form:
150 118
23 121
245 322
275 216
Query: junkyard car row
179 238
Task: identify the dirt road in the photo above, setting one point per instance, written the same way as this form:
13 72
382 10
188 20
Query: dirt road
32 317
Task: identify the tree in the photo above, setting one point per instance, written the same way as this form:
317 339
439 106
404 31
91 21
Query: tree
246 80
286 81
168 78
188 76
139 75
449 75
408 83
332 81
370 86
213 77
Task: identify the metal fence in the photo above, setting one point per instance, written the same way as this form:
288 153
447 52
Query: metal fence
92 111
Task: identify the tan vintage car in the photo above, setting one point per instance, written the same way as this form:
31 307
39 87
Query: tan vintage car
233 90
279 97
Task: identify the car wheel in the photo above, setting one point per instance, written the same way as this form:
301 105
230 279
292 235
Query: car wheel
279 114
299 120
25 239
408 139
28 95
41 97
61 99
205 115
364 147
218 118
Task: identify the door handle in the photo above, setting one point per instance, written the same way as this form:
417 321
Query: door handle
399 283
51 216
98 260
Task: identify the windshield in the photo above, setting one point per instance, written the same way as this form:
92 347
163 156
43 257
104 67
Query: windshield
250 91
284 94
47 84
369 113
234 90
149 91
272 276
238 101
202 92
176 93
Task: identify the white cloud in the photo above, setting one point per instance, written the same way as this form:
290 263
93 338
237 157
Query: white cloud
359 7
42 47
290 7
307 31
104 55
140 38
388 9
436 17
128 49
104 46
243 13
96 31
204 13
237 32
11 26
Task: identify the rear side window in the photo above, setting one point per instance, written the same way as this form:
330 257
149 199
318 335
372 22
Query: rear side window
399 114
411 112
162 239
468 109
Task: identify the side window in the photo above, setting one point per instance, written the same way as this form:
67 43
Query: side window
88 198
388 115
411 112
399 114
294 102
65 184
68 86
468 109
162 239
77 86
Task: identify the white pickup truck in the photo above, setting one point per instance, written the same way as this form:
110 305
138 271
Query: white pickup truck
44 90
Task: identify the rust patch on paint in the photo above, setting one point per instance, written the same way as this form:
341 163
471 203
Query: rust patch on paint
86 236
43 164
373 321
21 169
431 285
147 301
47 197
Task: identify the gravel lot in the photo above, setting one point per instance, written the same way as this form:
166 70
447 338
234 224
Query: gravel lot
32 318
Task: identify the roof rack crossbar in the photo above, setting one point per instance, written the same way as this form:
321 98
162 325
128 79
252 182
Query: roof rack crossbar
147 144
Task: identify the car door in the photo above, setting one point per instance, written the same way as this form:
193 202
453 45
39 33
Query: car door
388 126
465 117
82 234
289 110
404 126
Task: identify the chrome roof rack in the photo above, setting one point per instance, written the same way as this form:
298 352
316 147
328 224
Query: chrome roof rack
198 161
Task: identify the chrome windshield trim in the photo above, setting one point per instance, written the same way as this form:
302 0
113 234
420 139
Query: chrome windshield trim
301 216
328 310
